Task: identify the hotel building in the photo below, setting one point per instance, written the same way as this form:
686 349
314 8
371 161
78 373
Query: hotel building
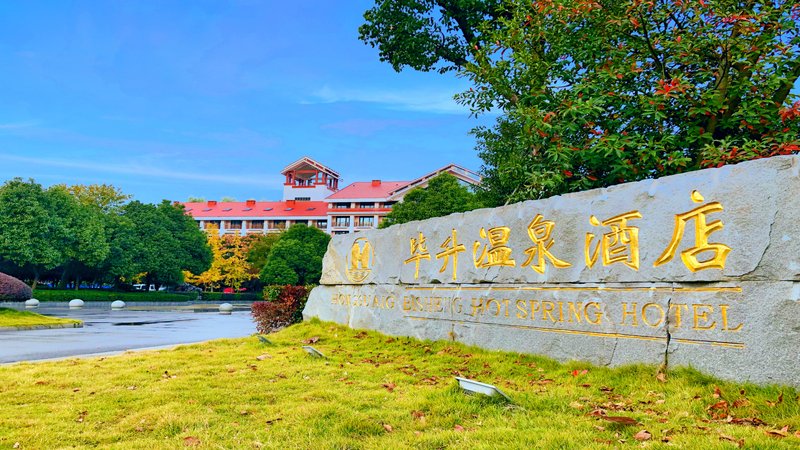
311 196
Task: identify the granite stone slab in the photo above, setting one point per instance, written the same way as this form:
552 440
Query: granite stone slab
699 269
755 203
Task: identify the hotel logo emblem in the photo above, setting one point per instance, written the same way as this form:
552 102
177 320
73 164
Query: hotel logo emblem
359 261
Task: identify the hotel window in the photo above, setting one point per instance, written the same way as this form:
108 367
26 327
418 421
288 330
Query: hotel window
365 221
341 221
235 225
256 225
302 222
303 199
341 205
210 223
279 224
369 205
322 224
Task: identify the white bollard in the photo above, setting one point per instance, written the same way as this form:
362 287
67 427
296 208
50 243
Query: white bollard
117 304
226 309
32 303
76 304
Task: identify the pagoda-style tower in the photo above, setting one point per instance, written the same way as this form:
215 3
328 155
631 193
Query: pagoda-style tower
308 180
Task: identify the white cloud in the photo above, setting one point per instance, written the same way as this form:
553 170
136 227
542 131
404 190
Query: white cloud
434 101
153 172
16 125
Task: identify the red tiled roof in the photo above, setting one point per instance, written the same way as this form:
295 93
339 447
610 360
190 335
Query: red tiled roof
367 189
200 210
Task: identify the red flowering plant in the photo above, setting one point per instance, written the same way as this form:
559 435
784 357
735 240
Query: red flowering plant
594 93
284 306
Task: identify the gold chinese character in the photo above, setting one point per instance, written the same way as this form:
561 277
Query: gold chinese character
702 231
621 244
539 231
496 253
451 248
419 251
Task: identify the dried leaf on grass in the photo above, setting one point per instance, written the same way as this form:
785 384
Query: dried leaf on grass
389 386
777 402
722 405
191 441
739 442
458 428
388 428
622 420
782 433
642 435
741 402
754 421
311 340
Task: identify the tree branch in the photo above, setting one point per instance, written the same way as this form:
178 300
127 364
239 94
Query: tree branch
786 87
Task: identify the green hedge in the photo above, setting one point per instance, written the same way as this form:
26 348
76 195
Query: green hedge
220 297
56 295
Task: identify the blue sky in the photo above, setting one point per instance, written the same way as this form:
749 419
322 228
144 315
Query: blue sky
173 99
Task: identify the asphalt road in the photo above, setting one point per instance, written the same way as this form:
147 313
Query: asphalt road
106 331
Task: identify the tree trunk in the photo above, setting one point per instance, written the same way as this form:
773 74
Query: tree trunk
62 284
35 280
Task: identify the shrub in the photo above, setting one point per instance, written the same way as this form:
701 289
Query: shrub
13 290
65 295
284 310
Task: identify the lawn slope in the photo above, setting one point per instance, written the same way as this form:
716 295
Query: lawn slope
12 318
375 391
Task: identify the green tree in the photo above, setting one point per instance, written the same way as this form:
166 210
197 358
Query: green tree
597 93
31 235
278 271
427 35
259 248
84 241
317 239
103 196
296 258
444 195
162 241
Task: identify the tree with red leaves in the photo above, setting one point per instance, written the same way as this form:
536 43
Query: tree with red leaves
593 93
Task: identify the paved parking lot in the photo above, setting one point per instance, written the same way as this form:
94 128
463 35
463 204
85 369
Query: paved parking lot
115 331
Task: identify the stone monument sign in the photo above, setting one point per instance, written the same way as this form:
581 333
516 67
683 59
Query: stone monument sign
700 269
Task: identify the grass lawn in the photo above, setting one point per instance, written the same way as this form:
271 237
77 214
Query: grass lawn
13 318
379 392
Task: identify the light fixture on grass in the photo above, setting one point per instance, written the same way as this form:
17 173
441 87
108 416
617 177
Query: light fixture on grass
264 340
476 387
313 352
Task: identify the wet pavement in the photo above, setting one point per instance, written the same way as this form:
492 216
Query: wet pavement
106 331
